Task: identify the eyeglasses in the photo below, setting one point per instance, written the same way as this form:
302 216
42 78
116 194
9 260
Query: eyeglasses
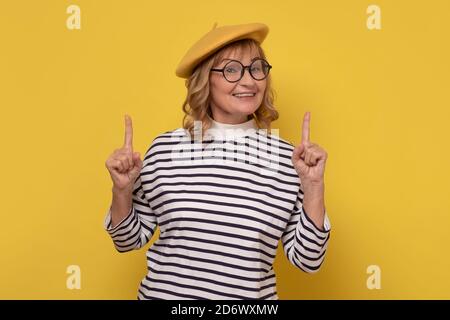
234 70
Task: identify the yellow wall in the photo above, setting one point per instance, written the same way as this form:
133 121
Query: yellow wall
379 102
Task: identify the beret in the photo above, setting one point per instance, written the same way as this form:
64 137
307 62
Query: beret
216 39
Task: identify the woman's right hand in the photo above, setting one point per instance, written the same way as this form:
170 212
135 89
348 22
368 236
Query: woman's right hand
123 164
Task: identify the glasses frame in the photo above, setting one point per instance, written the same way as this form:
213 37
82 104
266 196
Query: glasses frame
243 69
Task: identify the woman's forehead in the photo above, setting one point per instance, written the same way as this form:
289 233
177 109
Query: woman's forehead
239 54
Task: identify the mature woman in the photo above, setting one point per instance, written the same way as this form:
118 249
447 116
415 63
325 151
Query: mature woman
223 188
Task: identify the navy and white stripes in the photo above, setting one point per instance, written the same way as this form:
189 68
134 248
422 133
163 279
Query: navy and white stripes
222 207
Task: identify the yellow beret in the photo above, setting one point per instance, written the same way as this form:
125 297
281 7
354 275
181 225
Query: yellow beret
216 39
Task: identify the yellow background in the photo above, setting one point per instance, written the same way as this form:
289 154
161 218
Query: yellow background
379 102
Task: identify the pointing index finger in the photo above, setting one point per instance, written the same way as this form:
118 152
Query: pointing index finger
128 132
305 128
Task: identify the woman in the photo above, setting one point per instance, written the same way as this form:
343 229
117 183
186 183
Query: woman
222 189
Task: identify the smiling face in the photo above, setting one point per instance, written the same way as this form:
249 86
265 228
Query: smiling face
226 107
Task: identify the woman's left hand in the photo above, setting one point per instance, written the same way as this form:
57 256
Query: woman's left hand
309 159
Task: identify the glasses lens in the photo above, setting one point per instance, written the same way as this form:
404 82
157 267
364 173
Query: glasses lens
232 71
259 69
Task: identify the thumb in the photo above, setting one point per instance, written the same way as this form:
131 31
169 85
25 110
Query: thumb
137 164
298 151
297 160
137 159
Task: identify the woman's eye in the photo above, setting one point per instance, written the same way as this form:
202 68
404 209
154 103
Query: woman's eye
230 70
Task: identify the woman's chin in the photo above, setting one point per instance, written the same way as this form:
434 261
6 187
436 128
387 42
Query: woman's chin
247 108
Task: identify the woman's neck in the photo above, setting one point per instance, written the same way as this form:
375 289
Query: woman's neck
223 130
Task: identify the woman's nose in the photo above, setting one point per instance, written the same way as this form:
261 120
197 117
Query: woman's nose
246 77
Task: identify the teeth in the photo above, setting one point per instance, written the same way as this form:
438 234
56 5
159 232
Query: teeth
244 94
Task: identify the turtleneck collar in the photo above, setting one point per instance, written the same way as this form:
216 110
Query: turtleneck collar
221 130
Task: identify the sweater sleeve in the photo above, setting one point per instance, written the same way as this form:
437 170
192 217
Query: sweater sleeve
304 244
135 230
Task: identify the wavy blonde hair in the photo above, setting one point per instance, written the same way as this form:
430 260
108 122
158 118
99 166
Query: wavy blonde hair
196 106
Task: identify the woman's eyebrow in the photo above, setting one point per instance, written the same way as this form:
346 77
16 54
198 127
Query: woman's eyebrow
235 59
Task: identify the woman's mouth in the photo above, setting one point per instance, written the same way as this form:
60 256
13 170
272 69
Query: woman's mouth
244 96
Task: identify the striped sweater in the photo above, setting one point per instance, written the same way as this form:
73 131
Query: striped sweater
222 204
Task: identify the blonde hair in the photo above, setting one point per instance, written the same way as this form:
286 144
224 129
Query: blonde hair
196 106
